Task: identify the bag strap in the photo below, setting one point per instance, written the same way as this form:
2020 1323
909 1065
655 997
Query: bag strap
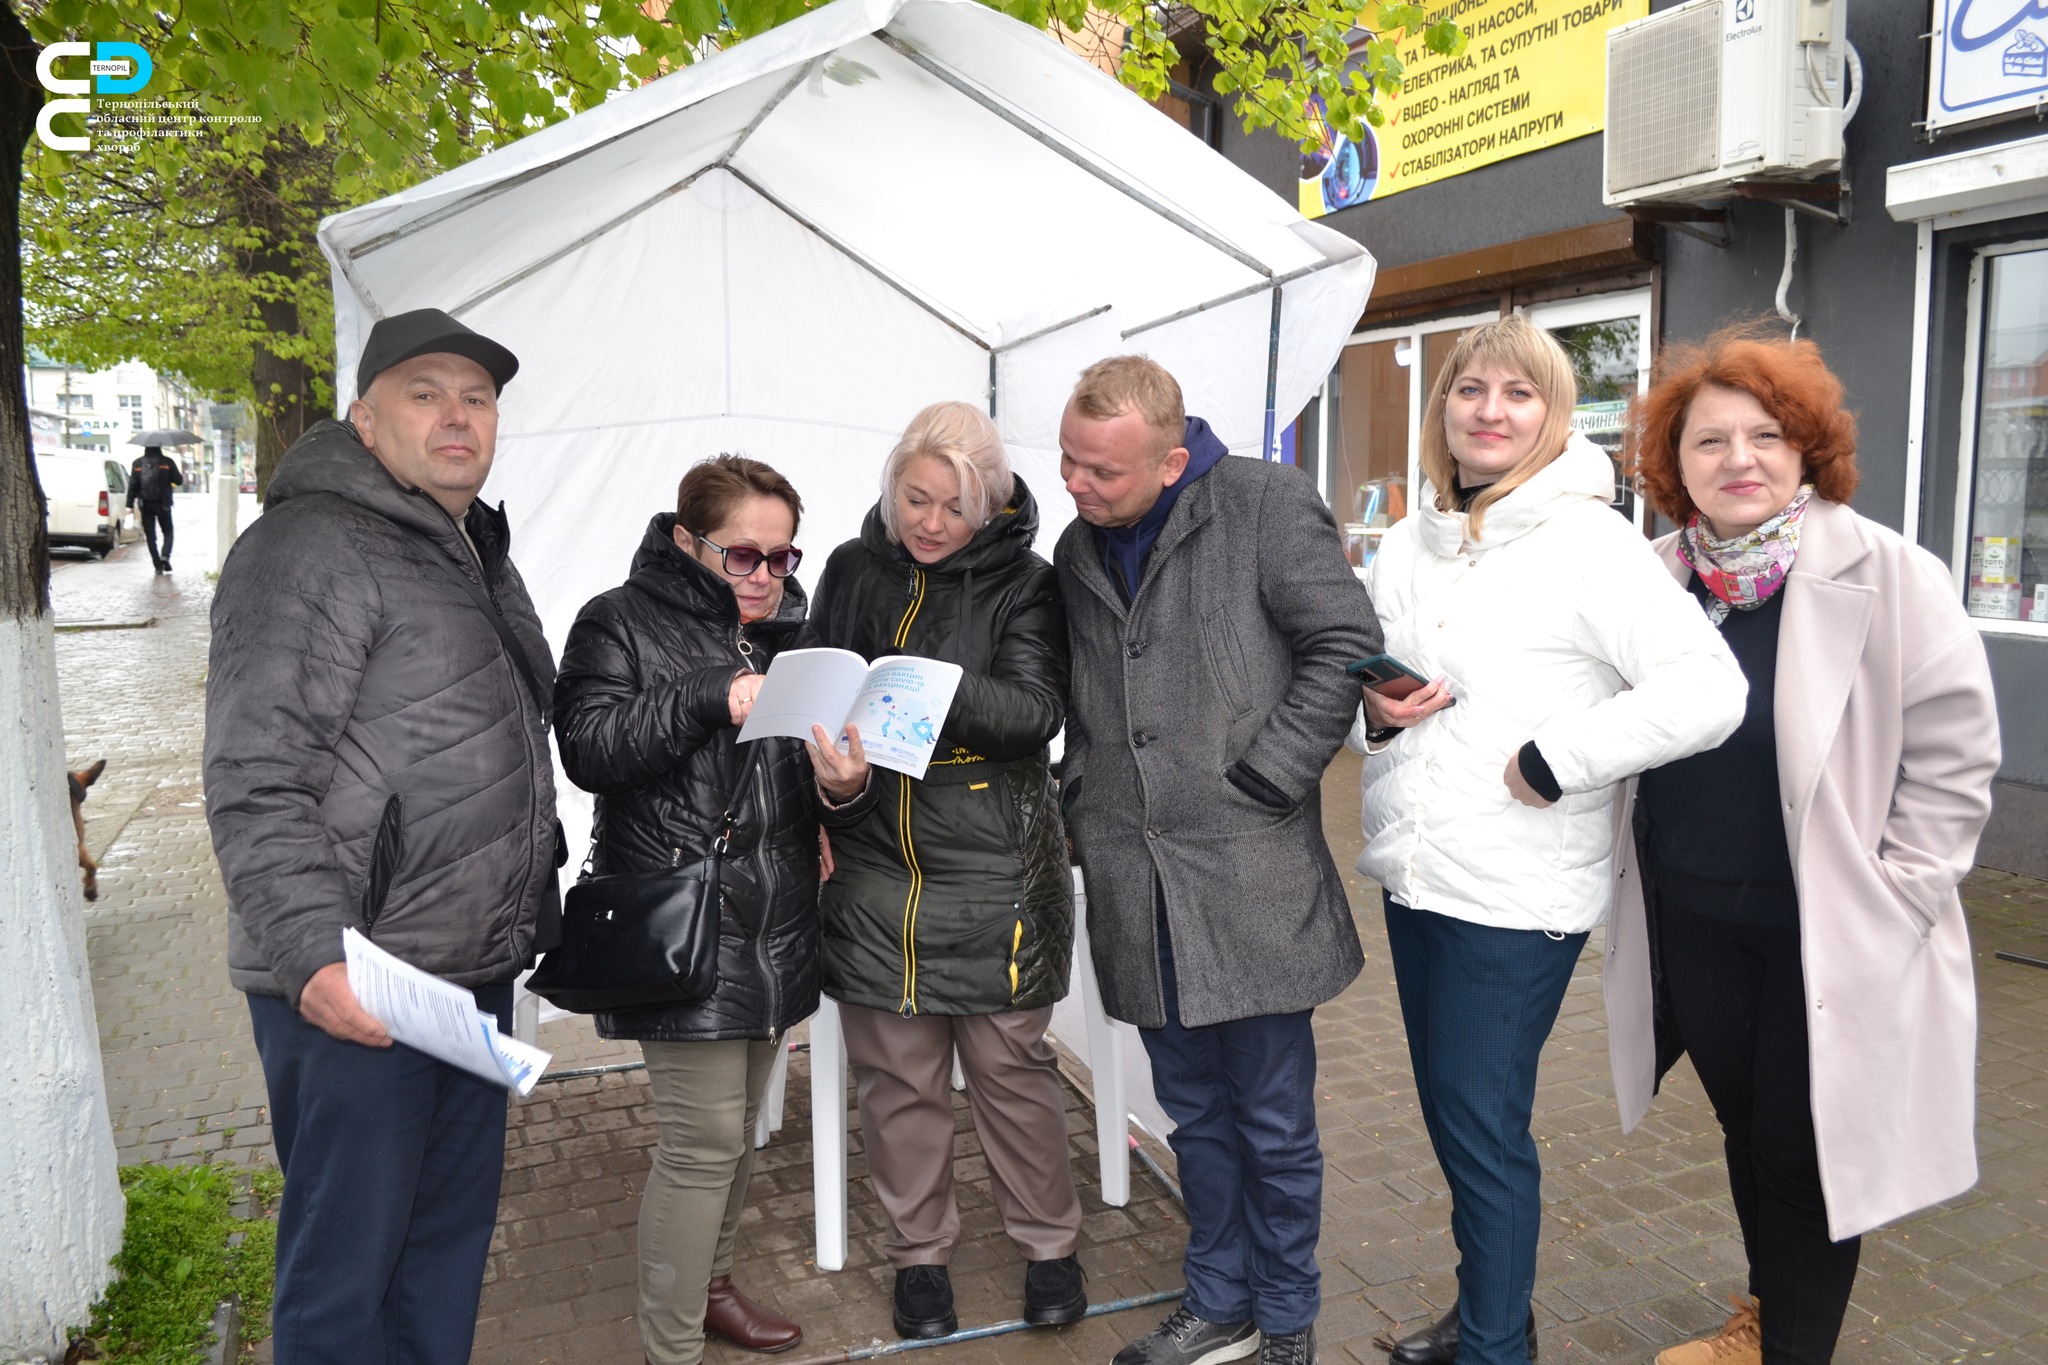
513 649
726 819
732 802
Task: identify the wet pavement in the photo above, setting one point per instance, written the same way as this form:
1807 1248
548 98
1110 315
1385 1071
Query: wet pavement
1639 1245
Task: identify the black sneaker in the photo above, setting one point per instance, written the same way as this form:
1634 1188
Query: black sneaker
1289 1348
924 1302
1184 1339
1054 1292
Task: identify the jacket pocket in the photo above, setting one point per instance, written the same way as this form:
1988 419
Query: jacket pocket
1226 661
1919 916
386 853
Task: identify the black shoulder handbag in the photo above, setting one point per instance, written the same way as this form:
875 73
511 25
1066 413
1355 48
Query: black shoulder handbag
635 940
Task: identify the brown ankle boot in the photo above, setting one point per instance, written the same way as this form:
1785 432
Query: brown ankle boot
743 1322
1739 1342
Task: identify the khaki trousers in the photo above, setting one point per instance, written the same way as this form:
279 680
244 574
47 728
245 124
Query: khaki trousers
903 1072
705 1098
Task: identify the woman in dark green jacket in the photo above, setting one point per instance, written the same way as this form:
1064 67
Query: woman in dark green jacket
948 924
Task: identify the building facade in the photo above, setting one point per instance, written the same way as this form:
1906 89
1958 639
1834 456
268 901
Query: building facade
1920 268
101 409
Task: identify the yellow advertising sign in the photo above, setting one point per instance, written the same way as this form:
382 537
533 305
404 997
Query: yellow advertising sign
1533 74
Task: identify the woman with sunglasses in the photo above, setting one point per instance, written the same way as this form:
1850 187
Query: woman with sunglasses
949 921
656 679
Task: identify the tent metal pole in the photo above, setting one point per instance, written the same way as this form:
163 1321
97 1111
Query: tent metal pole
348 272
1028 337
513 182
863 262
1039 135
774 103
1232 297
585 240
1272 379
992 355
480 198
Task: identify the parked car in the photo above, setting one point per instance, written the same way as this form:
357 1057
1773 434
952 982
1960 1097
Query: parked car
248 483
88 496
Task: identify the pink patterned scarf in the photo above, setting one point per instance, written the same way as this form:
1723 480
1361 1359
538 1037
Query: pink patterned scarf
1743 573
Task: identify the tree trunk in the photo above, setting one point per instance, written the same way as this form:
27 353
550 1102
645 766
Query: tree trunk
61 1208
283 384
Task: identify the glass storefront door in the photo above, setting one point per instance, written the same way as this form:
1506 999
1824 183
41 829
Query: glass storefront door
1607 337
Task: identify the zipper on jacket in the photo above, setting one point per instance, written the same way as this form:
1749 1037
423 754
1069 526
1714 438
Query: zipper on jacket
766 864
910 612
908 1006
909 1003
538 827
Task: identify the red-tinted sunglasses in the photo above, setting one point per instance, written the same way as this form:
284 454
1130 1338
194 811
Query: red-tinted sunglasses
741 560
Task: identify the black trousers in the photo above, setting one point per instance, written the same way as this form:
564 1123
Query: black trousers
1738 997
152 518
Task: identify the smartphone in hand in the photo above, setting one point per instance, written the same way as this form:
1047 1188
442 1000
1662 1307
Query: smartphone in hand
1387 676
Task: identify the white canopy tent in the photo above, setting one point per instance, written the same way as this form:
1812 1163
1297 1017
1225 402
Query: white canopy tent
791 246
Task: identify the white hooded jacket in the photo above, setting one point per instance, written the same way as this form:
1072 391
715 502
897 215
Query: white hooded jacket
1558 625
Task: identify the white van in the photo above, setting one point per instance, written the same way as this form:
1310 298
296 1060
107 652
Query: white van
88 496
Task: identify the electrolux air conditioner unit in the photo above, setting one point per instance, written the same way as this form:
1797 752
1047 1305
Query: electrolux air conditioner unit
1715 91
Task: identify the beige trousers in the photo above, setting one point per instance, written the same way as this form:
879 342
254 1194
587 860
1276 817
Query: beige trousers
705 1098
903 1072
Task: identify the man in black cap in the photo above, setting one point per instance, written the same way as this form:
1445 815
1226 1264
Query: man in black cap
377 759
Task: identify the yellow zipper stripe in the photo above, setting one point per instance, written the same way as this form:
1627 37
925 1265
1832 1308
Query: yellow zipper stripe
910 903
909 1005
910 612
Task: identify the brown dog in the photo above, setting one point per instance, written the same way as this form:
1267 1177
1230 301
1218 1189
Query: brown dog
79 781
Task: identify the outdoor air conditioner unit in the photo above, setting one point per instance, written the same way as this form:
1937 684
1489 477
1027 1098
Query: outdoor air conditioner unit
1717 91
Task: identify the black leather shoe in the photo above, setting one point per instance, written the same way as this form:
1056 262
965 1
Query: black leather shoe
1437 1344
924 1302
1054 1292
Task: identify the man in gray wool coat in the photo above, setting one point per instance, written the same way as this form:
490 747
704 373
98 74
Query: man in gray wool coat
1211 614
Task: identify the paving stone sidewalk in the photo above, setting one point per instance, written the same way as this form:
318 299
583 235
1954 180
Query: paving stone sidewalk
1639 1245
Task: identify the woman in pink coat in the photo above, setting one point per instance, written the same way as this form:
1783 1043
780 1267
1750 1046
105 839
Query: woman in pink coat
1803 940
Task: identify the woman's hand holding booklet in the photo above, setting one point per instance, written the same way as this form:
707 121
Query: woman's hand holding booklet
898 704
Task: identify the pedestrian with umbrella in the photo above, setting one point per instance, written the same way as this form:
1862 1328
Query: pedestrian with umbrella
150 481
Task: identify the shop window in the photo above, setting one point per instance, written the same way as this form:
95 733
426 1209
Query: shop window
2003 495
1368 421
1369 418
1605 338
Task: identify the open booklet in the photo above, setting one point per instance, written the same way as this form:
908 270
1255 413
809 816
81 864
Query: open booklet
438 1017
898 704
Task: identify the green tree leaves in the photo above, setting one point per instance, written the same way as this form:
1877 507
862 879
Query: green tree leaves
193 251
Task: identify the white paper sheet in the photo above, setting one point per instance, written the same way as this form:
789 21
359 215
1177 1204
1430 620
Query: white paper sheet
438 1017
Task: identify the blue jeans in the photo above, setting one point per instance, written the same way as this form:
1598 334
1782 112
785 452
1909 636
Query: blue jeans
391 1164
1478 1001
1242 1098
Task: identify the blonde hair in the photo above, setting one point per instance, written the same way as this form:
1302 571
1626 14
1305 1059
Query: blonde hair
1123 383
966 439
1528 352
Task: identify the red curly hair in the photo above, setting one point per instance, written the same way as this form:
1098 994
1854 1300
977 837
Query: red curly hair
1787 378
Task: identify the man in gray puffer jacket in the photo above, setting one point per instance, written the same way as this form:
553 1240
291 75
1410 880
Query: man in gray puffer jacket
376 758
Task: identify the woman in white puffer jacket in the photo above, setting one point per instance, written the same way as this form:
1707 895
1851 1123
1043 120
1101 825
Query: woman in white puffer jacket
1565 659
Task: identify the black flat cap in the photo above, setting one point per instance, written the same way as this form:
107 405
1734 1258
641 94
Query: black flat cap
426 331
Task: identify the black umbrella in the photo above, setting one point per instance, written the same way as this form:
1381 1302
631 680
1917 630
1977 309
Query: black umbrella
167 437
